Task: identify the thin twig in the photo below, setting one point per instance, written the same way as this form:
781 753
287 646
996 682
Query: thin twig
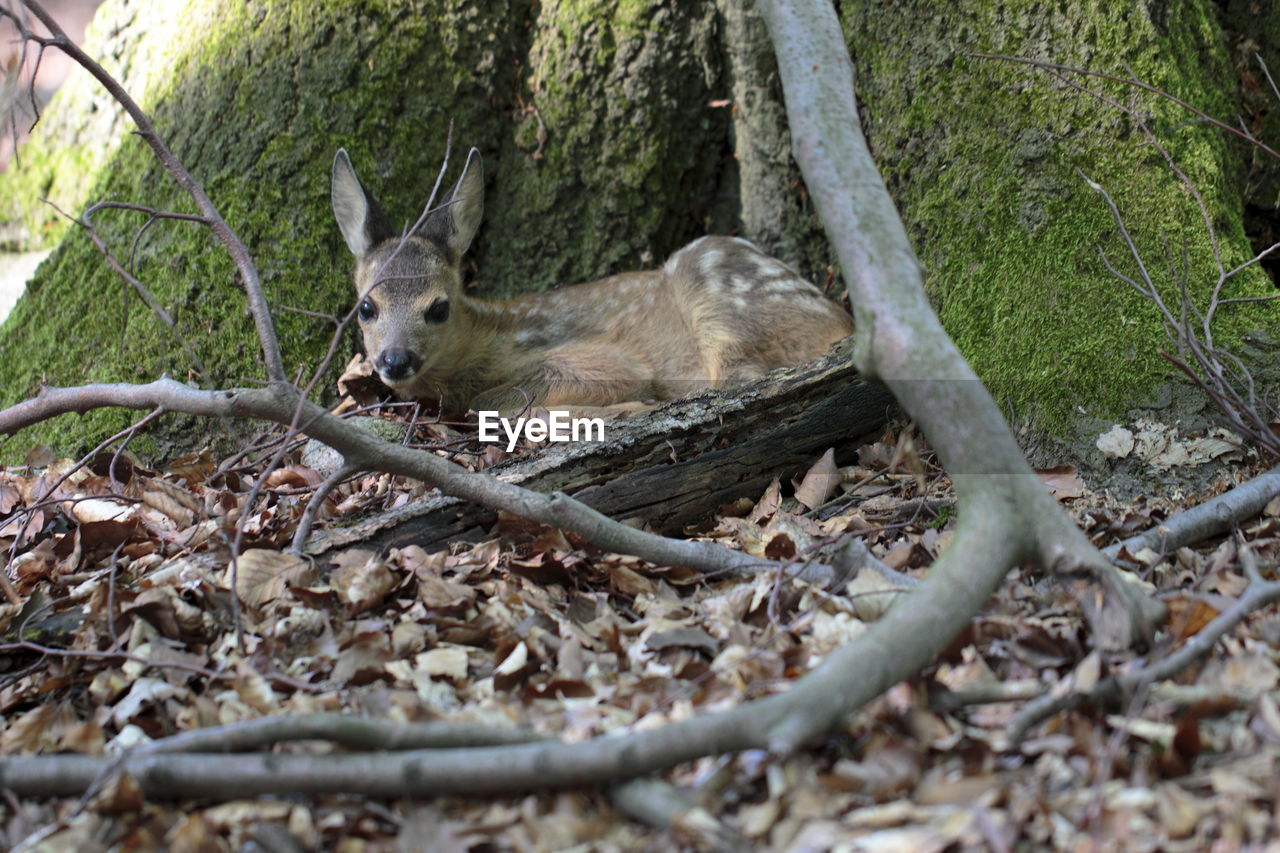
239 253
313 506
47 493
141 289
1257 595
1129 81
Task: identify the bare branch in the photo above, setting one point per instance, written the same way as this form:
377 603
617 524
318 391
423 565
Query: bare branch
313 506
1243 410
1208 519
239 253
364 451
1267 73
141 289
1257 595
47 492
900 340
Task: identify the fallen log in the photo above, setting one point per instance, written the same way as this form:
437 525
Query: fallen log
668 467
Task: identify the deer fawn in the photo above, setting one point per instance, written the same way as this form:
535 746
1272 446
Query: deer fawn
719 312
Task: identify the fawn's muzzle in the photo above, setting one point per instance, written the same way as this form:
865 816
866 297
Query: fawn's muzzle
397 364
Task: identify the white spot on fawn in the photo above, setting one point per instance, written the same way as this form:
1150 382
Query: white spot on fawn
786 286
709 261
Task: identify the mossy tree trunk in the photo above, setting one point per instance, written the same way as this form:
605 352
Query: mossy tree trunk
607 145
982 156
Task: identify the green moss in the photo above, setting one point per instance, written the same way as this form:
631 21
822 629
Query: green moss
944 516
601 154
982 158
620 162
71 144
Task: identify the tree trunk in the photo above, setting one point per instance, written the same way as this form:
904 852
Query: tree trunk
601 154
608 144
983 158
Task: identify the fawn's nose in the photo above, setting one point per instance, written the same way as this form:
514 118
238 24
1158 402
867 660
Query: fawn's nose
397 364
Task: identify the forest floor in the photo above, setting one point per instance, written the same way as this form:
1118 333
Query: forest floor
117 629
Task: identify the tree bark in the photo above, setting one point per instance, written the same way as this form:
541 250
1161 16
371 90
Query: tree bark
601 155
613 115
667 468
1006 515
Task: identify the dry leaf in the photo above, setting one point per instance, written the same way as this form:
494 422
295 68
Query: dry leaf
819 482
363 660
1062 482
1188 616
514 661
1116 441
122 795
254 690
443 594
363 586
445 661
886 772
1266 722
102 509
293 477
768 504
1180 811
195 468
1087 673
262 575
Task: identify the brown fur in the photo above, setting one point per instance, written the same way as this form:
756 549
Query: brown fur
719 312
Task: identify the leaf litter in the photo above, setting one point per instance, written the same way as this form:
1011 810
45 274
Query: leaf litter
119 629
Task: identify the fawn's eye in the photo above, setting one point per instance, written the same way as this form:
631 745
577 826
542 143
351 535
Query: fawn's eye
438 312
366 310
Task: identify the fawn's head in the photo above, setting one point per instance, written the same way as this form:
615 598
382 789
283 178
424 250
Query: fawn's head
410 287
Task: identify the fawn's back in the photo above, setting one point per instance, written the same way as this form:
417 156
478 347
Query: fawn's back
719 312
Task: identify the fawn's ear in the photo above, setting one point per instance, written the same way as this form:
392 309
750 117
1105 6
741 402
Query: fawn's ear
360 219
455 222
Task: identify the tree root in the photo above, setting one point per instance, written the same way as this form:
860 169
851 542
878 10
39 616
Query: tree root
1006 517
1210 518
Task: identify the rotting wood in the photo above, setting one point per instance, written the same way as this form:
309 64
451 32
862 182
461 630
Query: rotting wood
668 467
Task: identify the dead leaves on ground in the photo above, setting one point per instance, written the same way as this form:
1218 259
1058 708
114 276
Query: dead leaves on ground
537 628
